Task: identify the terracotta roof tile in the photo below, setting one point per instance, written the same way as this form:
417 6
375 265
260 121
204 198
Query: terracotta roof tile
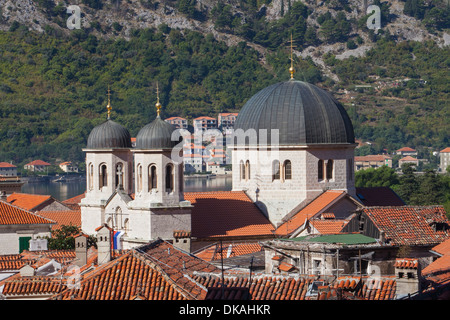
33 286
7 165
408 225
226 214
157 271
328 226
72 217
446 150
406 263
230 249
38 163
10 214
27 201
443 248
315 206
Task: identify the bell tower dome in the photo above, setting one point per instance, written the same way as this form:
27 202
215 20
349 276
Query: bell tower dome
108 168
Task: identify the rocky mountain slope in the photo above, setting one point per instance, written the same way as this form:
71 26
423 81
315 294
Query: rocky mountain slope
138 14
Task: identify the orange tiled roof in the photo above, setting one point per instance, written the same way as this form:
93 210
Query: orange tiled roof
375 157
7 165
226 214
446 150
370 288
408 158
317 205
10 214
74 203
45 285
17 261
157 271
406 149
443 248
68 217
27 201
38 163
406 263
328 226
228 250
409 225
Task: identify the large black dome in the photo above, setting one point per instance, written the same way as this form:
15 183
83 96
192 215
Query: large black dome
109 134
303 113
156 135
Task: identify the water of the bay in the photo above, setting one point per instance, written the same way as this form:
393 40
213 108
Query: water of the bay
66 190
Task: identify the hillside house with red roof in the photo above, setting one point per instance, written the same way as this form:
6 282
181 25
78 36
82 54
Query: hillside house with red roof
406 151
37 166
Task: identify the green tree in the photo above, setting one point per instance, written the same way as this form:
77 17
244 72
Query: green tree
408 186
376 177
430 191
64 238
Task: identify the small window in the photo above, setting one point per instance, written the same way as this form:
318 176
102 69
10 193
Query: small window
152 178
103 179
287 170
330 170
169 178
275 170
242 170
247 170
320 170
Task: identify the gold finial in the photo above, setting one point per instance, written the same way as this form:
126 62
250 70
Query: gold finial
291 69
108 107
158 105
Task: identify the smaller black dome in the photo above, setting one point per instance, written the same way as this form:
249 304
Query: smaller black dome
156 135
109 134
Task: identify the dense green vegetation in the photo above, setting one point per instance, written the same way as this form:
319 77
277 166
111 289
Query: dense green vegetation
429 188
53 86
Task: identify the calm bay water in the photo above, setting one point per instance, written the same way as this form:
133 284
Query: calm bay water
67 190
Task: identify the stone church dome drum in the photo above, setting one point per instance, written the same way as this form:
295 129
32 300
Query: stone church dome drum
109 134
303 113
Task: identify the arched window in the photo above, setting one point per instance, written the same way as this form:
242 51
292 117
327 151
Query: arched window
275 170
169 178
152 177
139 178
287 170
320 170
119 176
241 170
330 169
103 178
91 176
247 170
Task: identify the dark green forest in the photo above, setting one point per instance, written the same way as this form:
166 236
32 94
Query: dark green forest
53 86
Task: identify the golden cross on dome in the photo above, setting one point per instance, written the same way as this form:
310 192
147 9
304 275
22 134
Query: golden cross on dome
291 69
108 107
158 105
